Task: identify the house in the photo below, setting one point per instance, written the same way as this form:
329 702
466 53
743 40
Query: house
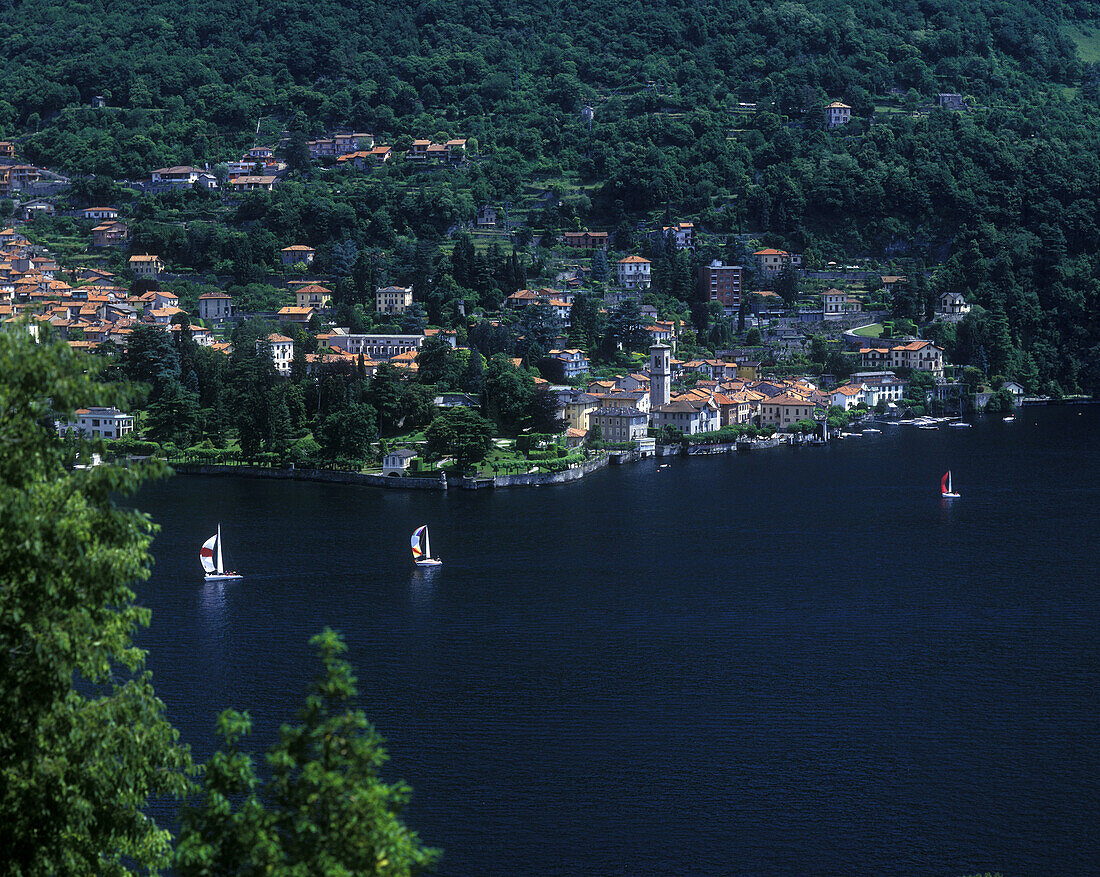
297 254
374 346
260 153
585 240
249 183
110 234
352 142
98 213
298 315
619 424
890 281
771 262
689 416
916 355
282 351
35 207
456 150
576 405
436 152
836 304
681 236
574 362
419 150
784 410
721 283
181 175
1017 392
456 400
952 307
951 101
313 295
146 267
633 272
7 149
881 386
837 114
381 154
397 462
849 396
393 299
661 333
486 218
215 306
98 423
361 160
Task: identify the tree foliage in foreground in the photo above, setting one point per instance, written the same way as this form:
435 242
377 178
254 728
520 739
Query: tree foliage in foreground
84 742
323 808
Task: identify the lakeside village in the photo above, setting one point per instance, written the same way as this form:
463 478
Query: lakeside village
608 371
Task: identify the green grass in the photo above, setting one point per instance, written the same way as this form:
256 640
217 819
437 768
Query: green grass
872 331
1087 40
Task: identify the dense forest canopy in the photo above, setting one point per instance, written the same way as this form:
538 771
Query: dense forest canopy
1003 197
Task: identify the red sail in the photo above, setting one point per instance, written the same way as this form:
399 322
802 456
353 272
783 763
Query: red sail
943 483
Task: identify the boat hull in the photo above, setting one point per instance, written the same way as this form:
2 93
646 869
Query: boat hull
950 495
428 561
224 577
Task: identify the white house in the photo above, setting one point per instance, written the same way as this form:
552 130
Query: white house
105 423
633 272
375 347
574 362
397 462
952 306
837 114
849 396
282 352
885 386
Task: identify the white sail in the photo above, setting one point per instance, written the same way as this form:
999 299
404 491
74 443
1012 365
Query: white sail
427 544
221 566
206 553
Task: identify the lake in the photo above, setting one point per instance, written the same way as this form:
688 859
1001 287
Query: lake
795 661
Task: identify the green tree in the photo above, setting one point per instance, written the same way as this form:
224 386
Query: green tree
461 433
84 742
323 810
348 432
438 363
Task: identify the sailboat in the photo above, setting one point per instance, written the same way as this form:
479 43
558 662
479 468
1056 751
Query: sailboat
215 569
423 556
945 487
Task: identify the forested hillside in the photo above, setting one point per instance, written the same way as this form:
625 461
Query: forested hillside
1003 197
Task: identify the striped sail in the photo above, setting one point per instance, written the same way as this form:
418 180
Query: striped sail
417 550
206 554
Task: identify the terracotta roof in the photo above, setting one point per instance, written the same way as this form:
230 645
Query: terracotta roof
634 260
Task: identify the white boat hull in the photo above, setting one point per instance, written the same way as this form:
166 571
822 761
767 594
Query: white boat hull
950 495
428 561
223 577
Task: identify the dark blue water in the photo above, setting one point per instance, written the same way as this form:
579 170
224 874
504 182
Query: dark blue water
790 662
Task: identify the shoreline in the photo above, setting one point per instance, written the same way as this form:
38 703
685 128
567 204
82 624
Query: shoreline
538 479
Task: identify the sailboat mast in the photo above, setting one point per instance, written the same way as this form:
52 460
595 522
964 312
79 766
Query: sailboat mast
221 569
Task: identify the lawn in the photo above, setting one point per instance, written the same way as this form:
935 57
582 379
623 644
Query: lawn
872 331
1087 40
